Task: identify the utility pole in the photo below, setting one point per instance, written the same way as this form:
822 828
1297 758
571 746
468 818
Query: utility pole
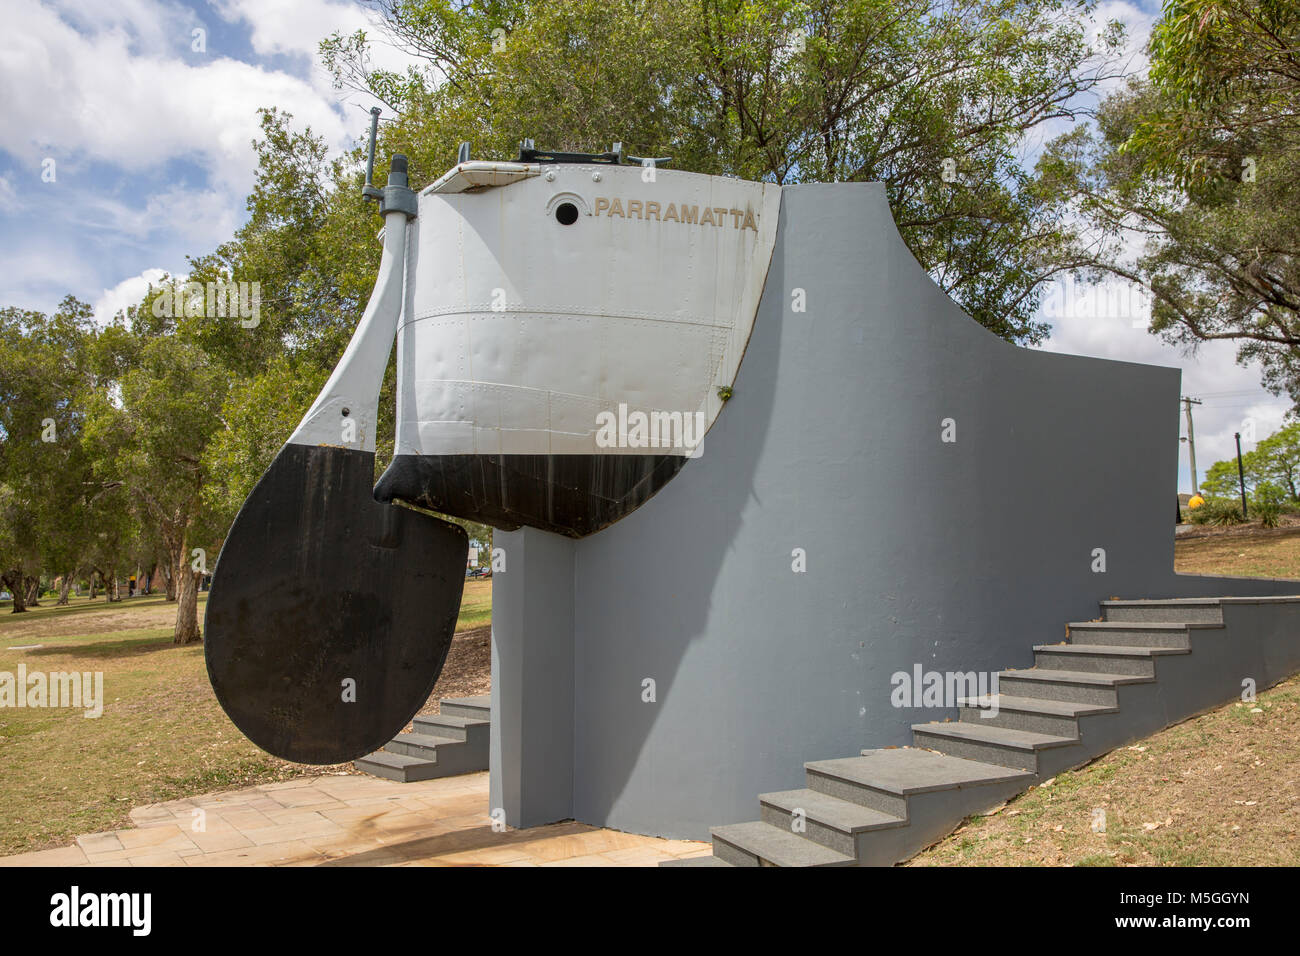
1191 438
1241 477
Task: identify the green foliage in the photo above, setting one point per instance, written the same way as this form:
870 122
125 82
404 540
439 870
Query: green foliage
257 417
1202 161
45 466
776 90
1272 470
1217 511
1221 477
1268 513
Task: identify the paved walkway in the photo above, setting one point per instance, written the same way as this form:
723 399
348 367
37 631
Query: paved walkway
347 820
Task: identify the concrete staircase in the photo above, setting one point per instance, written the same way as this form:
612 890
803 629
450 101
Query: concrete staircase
1145 665
452 742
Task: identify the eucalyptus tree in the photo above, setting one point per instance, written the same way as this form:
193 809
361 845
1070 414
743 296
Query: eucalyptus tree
932 97
1189 186
45 378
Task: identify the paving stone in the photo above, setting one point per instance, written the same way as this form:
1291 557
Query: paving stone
351 820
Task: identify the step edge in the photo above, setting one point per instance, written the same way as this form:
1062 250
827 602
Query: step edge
1051 743
385 758
1004 775
893 822
1112 650
1089 678
838 859
1026 705
1172 627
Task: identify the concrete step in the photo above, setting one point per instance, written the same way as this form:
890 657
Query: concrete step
709 860
1102 658
885 779
451 726
1136 633
1183 610
827 820
397 767
420 745
968 766
1017 749
440 745
1036 715
478 708
1078 686
761 844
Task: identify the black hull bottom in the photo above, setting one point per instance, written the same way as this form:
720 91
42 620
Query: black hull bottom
330 615
573 495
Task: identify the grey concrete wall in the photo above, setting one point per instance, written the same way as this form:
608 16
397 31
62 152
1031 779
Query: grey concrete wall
956 556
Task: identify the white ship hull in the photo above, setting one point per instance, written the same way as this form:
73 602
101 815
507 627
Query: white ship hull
570 335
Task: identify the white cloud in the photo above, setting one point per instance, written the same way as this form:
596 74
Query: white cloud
39 272
196 219
276 27
126 293
115 94
126 96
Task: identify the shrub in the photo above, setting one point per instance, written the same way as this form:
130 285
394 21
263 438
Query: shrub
1269 513
1219 511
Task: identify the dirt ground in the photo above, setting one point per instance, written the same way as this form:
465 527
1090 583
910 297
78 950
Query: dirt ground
468 671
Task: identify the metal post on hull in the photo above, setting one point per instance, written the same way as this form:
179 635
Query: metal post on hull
368 191
330 614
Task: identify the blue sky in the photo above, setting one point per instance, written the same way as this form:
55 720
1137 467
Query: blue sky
151 147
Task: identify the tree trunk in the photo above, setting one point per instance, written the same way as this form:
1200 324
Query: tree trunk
111 590
13 582
65 587
171 580
93 572
187 606
33 597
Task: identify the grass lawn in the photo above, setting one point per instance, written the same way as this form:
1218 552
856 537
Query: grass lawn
162 734
475 605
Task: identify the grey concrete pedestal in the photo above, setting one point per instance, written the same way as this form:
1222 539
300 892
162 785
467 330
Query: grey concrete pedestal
952 555
531 759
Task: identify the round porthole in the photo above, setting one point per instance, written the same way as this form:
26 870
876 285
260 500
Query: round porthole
566 214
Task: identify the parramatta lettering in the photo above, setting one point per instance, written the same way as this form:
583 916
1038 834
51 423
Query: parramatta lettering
693 215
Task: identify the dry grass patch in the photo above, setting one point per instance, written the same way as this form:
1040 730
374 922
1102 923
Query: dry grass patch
1222 789
162 734
1247 551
